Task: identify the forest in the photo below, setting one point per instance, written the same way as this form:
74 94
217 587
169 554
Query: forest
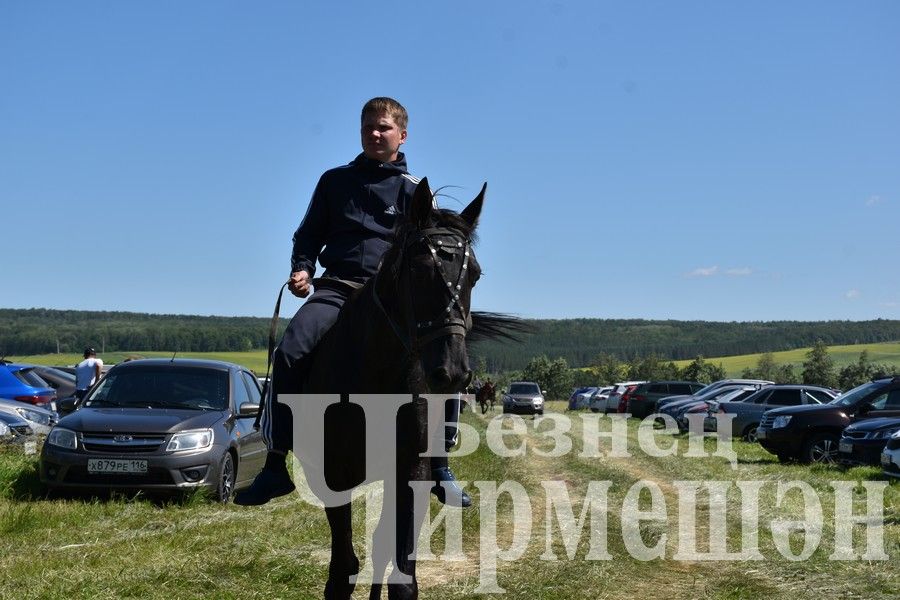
579 341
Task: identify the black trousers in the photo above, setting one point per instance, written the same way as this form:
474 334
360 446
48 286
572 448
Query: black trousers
290 365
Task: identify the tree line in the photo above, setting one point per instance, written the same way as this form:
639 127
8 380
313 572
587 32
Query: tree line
578 341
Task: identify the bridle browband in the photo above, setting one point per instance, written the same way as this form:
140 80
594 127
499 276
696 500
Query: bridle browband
446 323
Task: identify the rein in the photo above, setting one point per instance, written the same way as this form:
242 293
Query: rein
445 323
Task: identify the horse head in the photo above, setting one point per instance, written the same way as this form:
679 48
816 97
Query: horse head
425 286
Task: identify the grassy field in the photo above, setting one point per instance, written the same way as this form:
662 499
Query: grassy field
135 548
254 360
886 353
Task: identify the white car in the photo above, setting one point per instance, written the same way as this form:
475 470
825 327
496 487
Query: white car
598 400
39 419
612 401
890 456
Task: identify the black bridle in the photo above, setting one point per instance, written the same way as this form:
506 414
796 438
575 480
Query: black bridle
449 321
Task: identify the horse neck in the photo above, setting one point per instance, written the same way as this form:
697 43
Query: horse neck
370 356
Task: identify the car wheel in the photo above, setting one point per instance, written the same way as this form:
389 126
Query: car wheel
750 433
821 448
225 486
540 412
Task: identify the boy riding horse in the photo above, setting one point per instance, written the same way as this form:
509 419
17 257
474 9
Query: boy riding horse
347 227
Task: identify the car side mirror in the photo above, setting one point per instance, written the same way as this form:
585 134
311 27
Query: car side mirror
865 407
543 392
66 405
248 409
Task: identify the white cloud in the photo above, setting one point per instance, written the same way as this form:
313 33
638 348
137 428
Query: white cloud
704 272
851 294
874 200
891 304
741 272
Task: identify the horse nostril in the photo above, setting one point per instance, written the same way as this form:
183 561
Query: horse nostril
469 375
440 375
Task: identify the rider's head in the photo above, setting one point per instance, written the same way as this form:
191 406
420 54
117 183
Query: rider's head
383 128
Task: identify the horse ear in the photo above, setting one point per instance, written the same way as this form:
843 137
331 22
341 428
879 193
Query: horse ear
422 204
473 210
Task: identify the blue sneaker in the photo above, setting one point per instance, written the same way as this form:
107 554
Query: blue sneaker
447 490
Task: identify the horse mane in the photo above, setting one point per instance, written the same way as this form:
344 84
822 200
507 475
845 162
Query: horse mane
497 326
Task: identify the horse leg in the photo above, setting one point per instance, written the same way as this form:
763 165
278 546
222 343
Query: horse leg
343 560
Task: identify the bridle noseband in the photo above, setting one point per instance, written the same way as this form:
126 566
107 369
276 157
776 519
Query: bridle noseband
446 323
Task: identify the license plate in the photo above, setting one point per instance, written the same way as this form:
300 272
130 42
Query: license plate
116 465
760 434
886 460
846 447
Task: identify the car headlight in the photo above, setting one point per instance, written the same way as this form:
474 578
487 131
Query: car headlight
538 400
896 435
781 422
190 440
34 416
64 438
885 434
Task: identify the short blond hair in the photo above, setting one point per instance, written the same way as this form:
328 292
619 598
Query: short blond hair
389 106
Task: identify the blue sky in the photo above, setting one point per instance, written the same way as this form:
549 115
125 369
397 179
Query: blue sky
664 160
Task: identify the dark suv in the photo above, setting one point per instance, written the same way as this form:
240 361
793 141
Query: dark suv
811 433
642 401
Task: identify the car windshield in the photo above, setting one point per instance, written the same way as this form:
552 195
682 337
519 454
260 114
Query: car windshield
730 396
62 375
163 387
524 388
29 377
714 392
856 394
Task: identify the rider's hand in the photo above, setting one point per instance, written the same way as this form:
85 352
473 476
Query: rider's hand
298 284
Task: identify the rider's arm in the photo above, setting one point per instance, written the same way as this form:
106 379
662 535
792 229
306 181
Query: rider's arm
310 235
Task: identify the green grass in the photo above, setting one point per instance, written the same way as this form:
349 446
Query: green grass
885 353
254 360
136 548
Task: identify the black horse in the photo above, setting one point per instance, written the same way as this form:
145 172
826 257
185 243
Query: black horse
403 332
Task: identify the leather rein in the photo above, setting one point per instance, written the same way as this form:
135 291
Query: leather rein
448 321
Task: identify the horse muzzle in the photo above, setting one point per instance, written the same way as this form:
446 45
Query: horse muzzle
443 380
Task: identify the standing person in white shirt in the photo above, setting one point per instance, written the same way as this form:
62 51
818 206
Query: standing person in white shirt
87 372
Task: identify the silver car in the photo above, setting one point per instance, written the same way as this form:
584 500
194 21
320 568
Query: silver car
524 397
39 419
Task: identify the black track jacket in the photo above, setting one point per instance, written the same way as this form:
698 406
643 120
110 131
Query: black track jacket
352 214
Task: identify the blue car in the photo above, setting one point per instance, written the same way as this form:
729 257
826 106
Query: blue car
22 383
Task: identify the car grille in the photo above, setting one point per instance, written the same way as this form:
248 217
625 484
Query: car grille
855 435
767 421
152 477
21 429
140 443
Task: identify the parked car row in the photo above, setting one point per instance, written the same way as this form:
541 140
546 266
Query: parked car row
853 428
794 422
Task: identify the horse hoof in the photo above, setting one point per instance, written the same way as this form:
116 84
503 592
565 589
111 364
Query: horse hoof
405 591
339 589
338 586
